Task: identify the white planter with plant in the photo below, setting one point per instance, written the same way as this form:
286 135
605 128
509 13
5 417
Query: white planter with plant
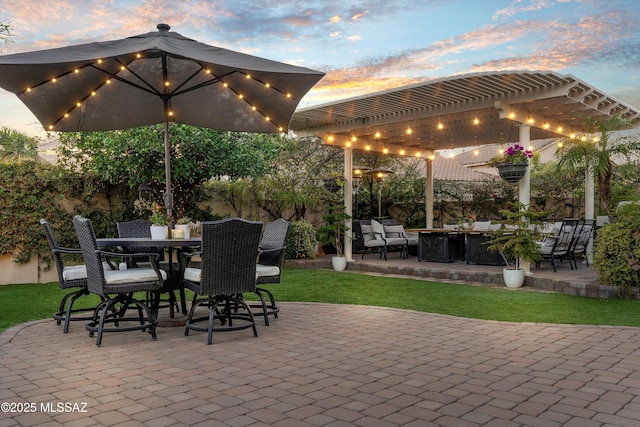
333 233
517 239
159 228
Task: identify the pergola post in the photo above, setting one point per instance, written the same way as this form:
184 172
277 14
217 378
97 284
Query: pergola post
589 205
524 185
348 202
429 192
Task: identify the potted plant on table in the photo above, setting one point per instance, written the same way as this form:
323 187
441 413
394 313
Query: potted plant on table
333 233
517 239
512 163
155 214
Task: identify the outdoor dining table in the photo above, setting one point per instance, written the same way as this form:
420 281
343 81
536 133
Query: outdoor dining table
174 278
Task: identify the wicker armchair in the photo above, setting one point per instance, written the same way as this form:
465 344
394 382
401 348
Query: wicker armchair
69 277
117 287
274 240
228 269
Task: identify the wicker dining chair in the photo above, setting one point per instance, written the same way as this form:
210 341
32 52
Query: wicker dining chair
228 262
72 277
142 228
269 268
117 287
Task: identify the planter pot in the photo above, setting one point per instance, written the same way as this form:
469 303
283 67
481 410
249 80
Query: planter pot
184 227
512 172
159 232
339 263
513 278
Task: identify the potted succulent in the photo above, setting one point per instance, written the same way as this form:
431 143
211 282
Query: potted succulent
512 163
333 233
517 239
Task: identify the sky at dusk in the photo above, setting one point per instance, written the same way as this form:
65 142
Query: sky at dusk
362 46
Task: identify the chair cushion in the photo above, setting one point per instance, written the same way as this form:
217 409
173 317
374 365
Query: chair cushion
115 277
377 228
481 225
193 274
267 270
74 272
394 231
77 272
370 239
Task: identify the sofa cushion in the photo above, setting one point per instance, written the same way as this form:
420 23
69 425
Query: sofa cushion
378 228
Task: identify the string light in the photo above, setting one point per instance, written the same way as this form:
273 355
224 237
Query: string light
167 83
402 152
476 121
440 126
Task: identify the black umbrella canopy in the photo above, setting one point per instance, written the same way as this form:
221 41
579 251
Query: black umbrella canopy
126 83
155 78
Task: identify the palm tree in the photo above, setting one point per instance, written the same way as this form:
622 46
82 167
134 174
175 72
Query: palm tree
598 155
16 146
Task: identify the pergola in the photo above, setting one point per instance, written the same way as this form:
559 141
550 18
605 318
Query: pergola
460 111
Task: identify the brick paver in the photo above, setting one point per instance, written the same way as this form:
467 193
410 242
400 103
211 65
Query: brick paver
321 364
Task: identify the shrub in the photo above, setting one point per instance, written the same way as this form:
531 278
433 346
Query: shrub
302 241
617 251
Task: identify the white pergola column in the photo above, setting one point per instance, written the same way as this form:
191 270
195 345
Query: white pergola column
524 185
589 205
428 194
348 202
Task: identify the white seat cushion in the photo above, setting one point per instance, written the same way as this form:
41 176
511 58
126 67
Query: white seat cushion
267 270
481 225
74 272
114 277
193 274
77 272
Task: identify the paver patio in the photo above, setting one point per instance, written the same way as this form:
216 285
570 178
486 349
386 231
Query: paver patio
328 365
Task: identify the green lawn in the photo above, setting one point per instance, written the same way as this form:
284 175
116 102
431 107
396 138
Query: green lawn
21 303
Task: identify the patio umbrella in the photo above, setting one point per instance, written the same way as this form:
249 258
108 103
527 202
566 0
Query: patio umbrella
152 78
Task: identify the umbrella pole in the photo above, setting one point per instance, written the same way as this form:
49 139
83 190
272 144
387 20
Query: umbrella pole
168 195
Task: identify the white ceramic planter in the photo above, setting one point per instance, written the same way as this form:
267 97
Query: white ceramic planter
184 227
159 232
513 278
339 263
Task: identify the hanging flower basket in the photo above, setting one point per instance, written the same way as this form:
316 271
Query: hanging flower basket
512 172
